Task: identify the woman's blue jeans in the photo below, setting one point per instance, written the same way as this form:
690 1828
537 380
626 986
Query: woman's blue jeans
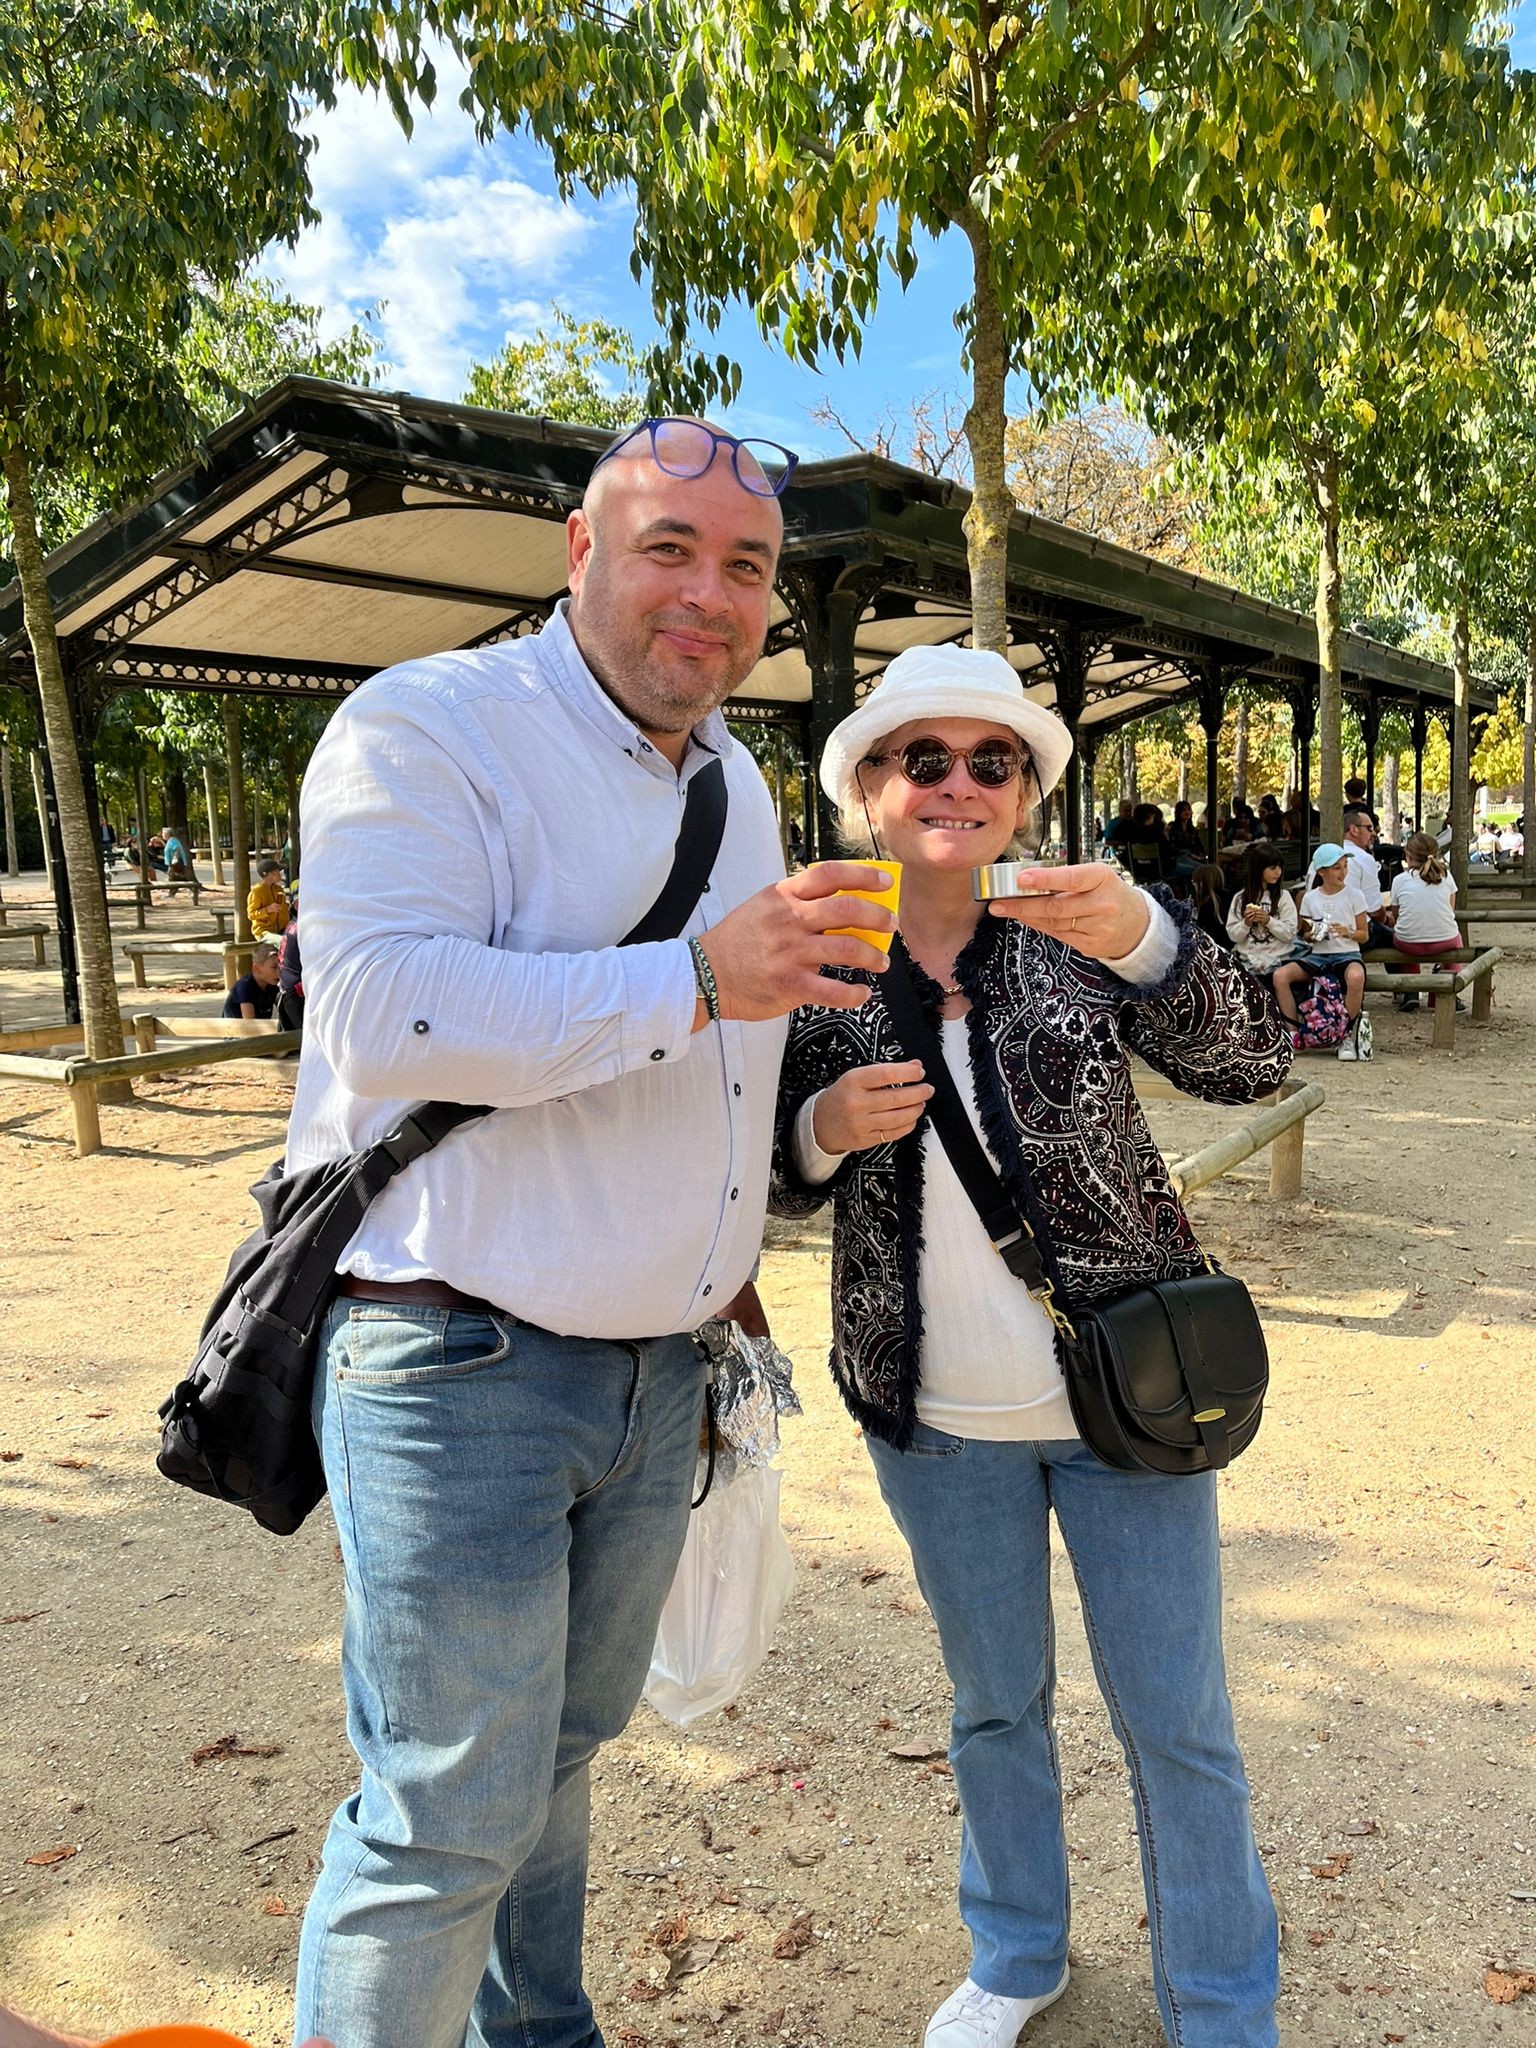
1145 1552
511 1506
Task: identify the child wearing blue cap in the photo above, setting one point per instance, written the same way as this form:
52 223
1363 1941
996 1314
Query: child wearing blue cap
1334 923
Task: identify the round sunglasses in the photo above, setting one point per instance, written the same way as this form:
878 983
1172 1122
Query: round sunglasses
686 449
993 763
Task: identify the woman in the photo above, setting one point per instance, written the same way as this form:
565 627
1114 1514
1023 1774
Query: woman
1261 918
1185 839
949 1364
1271 818
1335 924
1423 906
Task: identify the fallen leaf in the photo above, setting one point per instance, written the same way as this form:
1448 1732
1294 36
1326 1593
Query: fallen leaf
1336 1865
693 1956
771 2022
1502 1986
71 1464
273 1907
803 1859
795 1940
916 1752
668 1933
231 1745
1317 1936
7 1619
45 1857
641 1993
941 1770
10 1457
98 1414
874 1573
628 2038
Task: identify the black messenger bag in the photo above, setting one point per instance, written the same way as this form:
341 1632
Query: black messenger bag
1166 1378
238 1426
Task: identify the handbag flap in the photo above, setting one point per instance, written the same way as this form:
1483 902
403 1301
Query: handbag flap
1161 1347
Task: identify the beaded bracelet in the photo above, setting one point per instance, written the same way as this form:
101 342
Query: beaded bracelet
704 980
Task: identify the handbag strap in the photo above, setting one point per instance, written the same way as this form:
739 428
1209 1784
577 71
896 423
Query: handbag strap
1005 1225
693 858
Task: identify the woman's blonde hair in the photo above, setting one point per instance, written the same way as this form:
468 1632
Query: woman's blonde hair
853 824
1422 853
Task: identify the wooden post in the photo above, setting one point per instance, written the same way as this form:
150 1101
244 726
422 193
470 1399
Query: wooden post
215 836
1285 1162
82 1101
39 957
8 800
1444 1037
144 1033
1482 998
239 834
41 795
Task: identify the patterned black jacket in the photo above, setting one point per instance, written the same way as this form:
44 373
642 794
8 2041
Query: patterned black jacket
1050 1032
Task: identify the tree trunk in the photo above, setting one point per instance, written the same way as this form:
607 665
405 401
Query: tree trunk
986 523
173 793
291 801
239 835
255 817
1460 798
82 854
40 798
1330 679
1240 753
8 795
1528 787
1390 820
1129 793
215 849
1184 779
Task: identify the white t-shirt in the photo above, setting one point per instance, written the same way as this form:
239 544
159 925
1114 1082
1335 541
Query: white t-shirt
1343 907
1426 910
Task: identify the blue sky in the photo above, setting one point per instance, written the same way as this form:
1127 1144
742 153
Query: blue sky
464 245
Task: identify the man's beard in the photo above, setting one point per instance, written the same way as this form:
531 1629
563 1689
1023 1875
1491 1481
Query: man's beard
663 698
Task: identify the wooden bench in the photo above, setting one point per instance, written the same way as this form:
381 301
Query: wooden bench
1386 972
35 932
1279 1124
235 954
197 1042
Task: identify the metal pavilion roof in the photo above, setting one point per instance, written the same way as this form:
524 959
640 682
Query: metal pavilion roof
326 533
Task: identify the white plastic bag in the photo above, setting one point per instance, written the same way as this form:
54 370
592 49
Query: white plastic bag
732 1580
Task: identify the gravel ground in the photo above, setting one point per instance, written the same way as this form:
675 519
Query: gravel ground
778 1874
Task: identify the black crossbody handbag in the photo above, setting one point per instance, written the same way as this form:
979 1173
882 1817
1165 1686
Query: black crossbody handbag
237 1427
1167 1378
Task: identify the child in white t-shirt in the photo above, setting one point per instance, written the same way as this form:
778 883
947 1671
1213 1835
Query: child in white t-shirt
1334 923
1424 902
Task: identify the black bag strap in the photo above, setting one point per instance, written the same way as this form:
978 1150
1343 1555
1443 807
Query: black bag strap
693 858
1011 1235
420 1129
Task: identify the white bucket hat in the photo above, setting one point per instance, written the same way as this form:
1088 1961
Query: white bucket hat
944 682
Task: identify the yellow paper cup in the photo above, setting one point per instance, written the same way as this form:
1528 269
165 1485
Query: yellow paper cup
175 2037
889 898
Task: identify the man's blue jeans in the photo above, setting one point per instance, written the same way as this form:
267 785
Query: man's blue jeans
511 1506
1145 1552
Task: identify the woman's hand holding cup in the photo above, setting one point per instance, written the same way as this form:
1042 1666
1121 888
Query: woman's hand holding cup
870 1106
1089 908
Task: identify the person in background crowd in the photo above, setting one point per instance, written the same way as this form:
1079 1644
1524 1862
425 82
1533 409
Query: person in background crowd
178 862
1207 885
108 846
267 905
1261 918
1334 925
255 994
1424 905
157 853
1186 842
1119 828
1271 821
290 974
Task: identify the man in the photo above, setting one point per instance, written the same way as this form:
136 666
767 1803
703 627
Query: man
255 994
1364 873
508 1397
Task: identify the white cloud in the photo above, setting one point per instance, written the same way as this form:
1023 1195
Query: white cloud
444 232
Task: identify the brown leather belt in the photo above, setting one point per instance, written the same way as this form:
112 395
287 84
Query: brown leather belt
423 1293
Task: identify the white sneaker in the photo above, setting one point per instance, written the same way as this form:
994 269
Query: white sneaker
973 2018
1347 1049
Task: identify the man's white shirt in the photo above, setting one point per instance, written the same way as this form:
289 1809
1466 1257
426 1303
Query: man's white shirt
479 830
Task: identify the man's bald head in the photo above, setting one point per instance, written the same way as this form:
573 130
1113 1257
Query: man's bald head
671 579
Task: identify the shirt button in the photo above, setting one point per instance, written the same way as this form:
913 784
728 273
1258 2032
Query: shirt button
709 1290
645 747
659 1053
735 1087
706 888
421 1027
734 1193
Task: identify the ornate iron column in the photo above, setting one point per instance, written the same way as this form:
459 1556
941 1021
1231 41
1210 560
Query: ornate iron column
1370 727
1212 696
1303 697
1069 653
1420 734
827 600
